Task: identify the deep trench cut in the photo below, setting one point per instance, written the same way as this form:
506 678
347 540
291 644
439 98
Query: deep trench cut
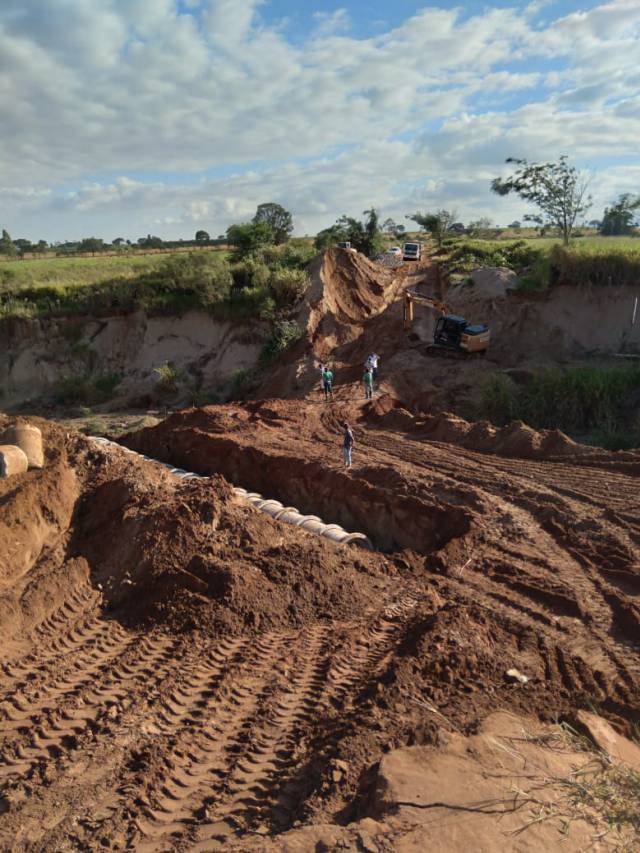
391 521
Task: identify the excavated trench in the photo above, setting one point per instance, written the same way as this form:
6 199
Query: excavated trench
391 521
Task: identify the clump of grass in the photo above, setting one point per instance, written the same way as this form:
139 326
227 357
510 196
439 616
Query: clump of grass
580 400
168 376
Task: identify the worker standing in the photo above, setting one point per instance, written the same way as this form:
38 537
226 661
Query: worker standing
347 445
327 381
322 367
367 381
372 362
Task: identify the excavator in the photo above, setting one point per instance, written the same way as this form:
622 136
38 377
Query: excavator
452 336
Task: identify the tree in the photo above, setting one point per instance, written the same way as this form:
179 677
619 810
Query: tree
437 224
619 218
389 226
6 245
150 242
516 225
373 235
329 237
479 225
278 218
91 244
202 237
118 241
557 189
364 236
248 237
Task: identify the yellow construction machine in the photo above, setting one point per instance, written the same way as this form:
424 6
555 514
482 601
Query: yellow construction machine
452 336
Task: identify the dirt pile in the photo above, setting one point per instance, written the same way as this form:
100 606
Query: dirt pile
346 290
190 555
161 550
517 440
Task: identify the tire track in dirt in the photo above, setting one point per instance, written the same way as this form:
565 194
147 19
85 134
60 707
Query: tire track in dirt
150 659
56 636
216 720
261 787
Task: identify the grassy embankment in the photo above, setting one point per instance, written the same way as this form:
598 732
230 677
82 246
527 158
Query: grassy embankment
597 403
264 287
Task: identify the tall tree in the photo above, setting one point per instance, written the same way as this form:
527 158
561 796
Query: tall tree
558 190
202 236
437 224
247 237
278 218
620 217
373 235
6 245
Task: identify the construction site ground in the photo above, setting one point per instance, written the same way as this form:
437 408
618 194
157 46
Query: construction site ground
182 672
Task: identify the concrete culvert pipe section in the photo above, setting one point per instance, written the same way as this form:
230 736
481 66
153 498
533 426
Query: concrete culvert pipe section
29 439
285 514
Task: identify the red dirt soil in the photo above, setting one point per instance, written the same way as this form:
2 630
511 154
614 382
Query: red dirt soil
181 672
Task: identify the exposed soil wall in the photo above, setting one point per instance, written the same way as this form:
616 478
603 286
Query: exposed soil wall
36 354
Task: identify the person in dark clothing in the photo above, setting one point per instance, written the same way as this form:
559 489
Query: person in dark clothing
347 445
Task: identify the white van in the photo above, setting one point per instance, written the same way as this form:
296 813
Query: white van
411 251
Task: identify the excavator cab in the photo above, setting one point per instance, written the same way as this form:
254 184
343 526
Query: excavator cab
453 332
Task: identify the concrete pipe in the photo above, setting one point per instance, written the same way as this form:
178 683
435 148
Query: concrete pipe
358 539
291 518
336 527
100 439
29 439
309 518
313 527
271 503
13 460
338 536
240 492
251 495
286 510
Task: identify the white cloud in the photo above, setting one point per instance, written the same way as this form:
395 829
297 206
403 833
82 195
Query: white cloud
422 113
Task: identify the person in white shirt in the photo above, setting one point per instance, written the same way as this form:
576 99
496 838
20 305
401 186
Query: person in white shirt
372 363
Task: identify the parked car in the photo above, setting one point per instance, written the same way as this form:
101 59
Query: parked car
411 251
345 244
394 250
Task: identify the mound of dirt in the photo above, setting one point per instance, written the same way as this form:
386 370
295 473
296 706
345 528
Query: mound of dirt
191 555
517 439
160 549
346 290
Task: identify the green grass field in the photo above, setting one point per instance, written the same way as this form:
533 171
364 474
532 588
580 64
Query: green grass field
79 272
592 245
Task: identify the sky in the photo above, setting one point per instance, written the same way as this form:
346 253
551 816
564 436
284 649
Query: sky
120 118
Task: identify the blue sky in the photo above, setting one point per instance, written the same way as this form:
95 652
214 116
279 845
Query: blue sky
122 117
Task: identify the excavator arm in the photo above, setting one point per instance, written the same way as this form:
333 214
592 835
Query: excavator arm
411 298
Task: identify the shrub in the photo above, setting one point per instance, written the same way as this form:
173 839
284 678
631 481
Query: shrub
283 335
167 377
89 390
580 400
203 274
288 285
518 256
